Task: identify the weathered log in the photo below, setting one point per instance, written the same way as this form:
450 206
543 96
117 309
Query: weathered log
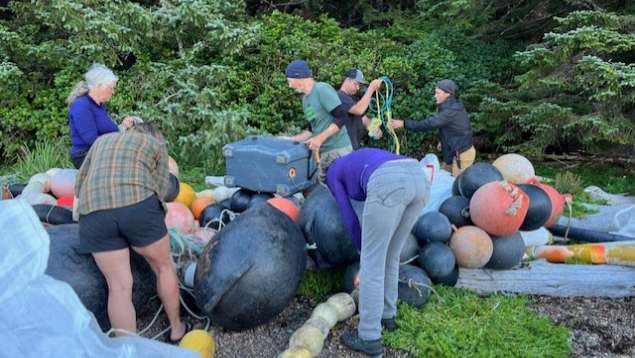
560 280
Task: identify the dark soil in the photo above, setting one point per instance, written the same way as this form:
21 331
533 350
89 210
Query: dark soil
268 340
599 328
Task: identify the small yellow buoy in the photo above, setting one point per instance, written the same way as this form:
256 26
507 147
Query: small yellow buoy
199 341
186 194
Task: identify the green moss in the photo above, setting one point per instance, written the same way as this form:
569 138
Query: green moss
457 323
317 285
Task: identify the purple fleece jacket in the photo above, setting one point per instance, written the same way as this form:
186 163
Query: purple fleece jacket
87 121
347 178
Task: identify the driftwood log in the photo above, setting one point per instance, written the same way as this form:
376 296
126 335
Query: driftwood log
560 280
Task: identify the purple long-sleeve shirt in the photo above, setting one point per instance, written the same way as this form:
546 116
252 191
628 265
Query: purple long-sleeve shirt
87 121
347 178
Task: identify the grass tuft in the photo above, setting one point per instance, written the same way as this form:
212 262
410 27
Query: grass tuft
457 323
318 285
44 156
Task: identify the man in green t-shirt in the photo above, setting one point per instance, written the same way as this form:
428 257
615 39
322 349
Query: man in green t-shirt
326 134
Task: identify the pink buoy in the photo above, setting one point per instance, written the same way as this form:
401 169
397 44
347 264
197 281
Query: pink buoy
180 218
63 183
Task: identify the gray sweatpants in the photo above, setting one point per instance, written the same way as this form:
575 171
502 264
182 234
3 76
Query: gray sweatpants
395 195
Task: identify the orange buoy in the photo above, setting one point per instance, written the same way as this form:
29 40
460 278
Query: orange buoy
180 218
286 206
472 246
199 204
557 200
499 208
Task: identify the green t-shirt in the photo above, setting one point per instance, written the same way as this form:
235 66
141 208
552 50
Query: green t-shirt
317 106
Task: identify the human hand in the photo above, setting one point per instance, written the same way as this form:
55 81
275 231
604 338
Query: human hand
375 84
396 123
314 143
439 146
128 122
376 134
356 281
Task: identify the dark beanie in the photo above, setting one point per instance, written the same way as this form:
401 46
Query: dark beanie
298 69
448 86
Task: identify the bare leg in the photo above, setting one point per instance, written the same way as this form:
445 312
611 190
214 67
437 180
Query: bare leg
158 256
115 265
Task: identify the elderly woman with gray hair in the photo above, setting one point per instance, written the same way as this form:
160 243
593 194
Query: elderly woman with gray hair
87 114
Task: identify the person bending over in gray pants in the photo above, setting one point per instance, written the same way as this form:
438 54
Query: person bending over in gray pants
395 190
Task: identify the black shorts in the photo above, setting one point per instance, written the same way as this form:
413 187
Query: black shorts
138 225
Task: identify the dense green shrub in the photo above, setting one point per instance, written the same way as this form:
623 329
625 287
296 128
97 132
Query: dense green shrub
576 89
209 74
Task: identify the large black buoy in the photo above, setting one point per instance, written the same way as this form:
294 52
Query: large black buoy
321 223
239 201
455 186
414 285
432 226
476 176
437 259
251 270
457 210
449 280
211 217
53 215
508 252
173 190
539 207
80 271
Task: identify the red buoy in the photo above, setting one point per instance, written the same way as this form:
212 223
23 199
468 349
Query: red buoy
499 208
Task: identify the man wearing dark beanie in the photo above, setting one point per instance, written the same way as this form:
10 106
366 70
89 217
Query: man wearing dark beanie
453 122
324 112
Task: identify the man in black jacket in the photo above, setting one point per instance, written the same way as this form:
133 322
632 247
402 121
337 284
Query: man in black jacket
453 122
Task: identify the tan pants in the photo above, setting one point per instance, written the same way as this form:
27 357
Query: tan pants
466 158
329 157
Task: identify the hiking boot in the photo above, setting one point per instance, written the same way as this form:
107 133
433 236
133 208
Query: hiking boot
389 324
373 348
